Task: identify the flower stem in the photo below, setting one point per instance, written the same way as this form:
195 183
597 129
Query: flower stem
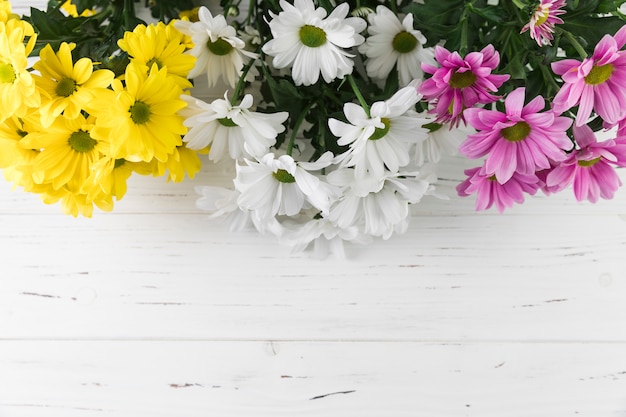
358 95
579 48
294 132
242 81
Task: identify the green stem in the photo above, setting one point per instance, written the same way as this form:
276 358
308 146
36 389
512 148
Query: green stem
129 14
242 81
294 132
579 48
358 95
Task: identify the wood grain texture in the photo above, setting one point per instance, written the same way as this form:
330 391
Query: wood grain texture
154 310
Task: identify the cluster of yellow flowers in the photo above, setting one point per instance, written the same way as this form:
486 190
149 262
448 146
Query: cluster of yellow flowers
74 133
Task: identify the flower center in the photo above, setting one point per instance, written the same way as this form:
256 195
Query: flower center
139 112
228 122
599 74
7 73
283 176
404 42
81 141
543 17
492 178
462 79
380 132
518 132
220 47
590 163
312 36
65 87
153 61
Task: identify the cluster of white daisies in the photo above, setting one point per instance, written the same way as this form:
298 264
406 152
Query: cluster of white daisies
354 196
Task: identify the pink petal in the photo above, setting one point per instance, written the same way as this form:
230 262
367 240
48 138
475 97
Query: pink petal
514 102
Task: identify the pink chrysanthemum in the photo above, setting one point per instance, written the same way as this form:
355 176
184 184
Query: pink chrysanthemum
589 169
597 83
489 191
461 83
543 19
520 140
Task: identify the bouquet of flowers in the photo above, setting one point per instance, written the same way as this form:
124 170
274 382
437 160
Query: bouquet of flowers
331 117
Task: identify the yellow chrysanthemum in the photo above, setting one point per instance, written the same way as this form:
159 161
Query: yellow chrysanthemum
162 45
71 10
108 178
141 119
67 87
182 161
16 160
190 15
18 92
67 153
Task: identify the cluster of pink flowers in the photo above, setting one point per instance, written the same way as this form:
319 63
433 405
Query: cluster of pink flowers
526 148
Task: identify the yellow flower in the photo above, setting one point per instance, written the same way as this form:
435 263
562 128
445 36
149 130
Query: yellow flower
108 178
67 87
71 10
140 118
16 160
190 15
18 92
182 160
162 45
67 153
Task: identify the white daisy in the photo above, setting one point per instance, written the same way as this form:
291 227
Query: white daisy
323 235
382 211
227 129
441 140
303 37
219 52
222 202
381 140
281 186
393 42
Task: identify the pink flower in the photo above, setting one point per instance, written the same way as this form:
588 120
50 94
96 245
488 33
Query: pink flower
461 83
520 140
589 169
543 19
489 191
597 83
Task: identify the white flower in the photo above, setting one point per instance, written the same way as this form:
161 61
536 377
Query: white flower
222 202
304 37
393 42
281 186
381 140
228 129
219 52
325 237
381 212
441 140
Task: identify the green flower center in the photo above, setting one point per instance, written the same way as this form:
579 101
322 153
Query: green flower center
312 36
119 162
220 47
516 133
153 61
492 178
404 42
65 87
7 73
81 141
225 121
283 176
139 112
599 74
462 79
590 163
380 132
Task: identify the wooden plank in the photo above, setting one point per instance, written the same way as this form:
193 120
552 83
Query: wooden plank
111 378
179 276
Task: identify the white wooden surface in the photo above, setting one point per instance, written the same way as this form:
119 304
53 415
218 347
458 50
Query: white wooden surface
153 310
